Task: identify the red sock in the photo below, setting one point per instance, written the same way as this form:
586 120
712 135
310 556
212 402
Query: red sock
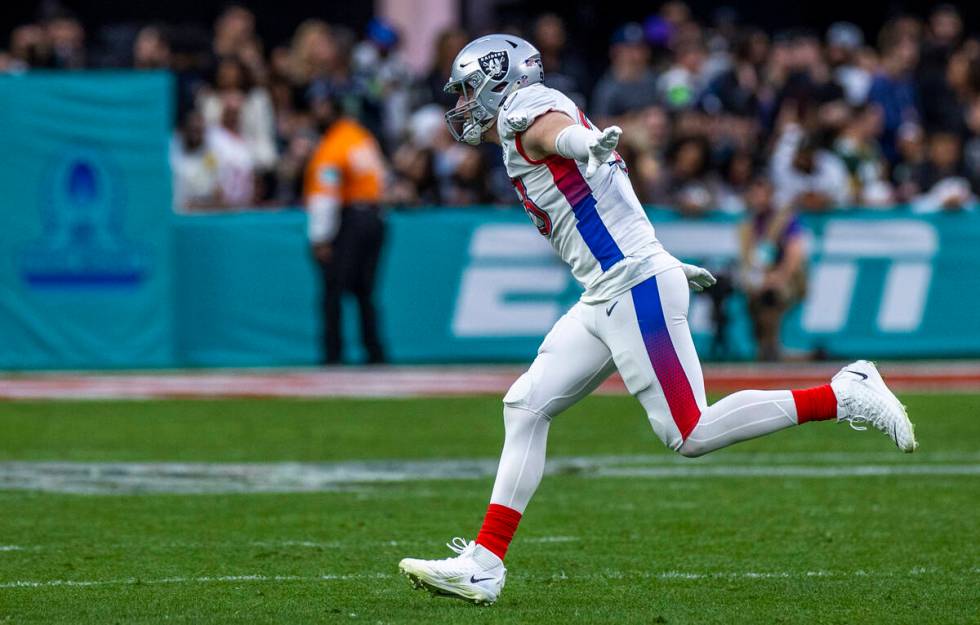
815 404
498 529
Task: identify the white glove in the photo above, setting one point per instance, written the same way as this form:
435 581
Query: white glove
698 278
601 147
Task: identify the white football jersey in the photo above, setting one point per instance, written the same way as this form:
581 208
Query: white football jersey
596 225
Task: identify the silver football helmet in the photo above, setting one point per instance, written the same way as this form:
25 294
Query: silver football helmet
484 73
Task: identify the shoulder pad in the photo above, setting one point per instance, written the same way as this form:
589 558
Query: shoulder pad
518 121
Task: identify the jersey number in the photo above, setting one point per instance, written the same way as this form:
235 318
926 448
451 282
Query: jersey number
538 217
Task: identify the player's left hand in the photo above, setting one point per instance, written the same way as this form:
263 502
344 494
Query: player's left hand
601 148
698 278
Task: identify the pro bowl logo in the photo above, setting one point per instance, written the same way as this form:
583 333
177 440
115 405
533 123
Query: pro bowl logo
495 64
82 206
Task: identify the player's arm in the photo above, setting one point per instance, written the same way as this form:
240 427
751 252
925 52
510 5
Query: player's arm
556 133
323 204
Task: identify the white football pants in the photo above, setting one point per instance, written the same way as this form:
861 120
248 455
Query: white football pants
642 333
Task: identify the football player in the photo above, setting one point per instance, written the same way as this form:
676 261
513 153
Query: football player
631 318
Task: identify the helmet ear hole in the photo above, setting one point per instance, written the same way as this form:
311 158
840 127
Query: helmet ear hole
499 88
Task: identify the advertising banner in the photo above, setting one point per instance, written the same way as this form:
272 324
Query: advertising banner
85 247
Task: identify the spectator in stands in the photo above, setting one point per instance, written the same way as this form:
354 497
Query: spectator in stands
257 117
564 69
194 166
737 173
30 47
689 185
467 182
943 35
911 158
290 169
971 151
893 88
735 91
947 92
810 81
233 157
66 37
233 30
806 176
342 193
151 49
772 269
387 77
629 85
448 44
857 146
646 139
414 162
681 85
846 56
942 178
313 52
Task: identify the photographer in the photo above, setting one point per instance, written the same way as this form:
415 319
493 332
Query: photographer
773 269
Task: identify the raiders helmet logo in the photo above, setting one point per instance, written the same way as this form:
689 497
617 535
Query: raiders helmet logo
495 64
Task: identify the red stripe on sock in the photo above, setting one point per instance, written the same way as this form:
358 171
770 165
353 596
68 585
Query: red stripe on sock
815 404
498 529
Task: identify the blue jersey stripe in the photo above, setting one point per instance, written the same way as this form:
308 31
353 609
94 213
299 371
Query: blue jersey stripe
570 182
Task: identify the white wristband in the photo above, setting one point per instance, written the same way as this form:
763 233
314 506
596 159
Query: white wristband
574 141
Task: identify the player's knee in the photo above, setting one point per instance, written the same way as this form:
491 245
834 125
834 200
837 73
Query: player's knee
692 449
522 396
663 426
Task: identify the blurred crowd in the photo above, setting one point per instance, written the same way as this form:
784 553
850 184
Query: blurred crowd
832 119
718 117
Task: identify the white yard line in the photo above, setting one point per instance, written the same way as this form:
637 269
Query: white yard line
286 477
862 470
133 581
560 576
11 548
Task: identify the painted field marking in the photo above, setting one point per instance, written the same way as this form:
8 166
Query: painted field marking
559 576
429 381
287 477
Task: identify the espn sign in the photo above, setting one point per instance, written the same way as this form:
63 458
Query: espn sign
514 284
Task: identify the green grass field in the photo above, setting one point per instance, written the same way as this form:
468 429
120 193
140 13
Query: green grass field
772 535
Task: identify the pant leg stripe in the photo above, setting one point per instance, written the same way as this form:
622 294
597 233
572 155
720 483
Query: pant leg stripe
660 349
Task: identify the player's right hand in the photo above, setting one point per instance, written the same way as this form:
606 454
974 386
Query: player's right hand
601 148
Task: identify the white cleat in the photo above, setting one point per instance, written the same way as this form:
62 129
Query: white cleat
862 397
475 574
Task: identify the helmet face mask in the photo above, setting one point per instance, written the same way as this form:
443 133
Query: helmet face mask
483 74
469 119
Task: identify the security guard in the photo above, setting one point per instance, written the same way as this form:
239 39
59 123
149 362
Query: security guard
342 190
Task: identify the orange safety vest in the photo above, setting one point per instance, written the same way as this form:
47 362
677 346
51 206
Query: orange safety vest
347 165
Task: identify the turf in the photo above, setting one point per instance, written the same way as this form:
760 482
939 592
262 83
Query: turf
868 549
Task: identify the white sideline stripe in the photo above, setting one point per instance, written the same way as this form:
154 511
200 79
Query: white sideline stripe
413 381
11 548
286 477
603 575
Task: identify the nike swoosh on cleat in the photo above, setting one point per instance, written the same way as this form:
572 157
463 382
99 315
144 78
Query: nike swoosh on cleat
474 580
864 376
610 309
